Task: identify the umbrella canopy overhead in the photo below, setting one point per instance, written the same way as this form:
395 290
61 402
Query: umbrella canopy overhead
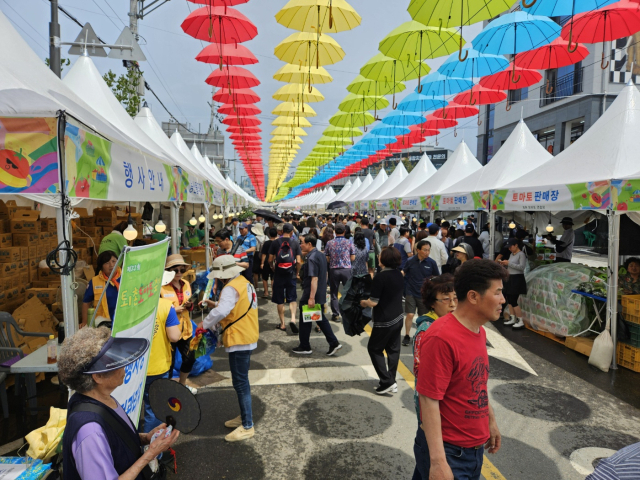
554 55
476 65
416 102
438 85
296 92
505 80
289 121
239 96
226 54
291 109
520 154
309 49
460 165
479 95
362 103
419 42
560 8
328 16
388 188
351 120
220 24
293 74
232 78
454 13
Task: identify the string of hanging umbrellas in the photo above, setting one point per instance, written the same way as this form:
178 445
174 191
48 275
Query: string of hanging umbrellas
225 28
305 53
475 76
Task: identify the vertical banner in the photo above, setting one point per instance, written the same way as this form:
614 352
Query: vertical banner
135 315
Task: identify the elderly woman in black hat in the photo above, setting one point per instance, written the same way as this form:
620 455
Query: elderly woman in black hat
100 441
564 246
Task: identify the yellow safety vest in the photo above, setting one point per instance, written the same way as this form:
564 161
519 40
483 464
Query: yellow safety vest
160 354
246 330
169 293
99 286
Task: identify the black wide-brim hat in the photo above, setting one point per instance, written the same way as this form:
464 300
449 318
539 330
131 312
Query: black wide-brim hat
117 353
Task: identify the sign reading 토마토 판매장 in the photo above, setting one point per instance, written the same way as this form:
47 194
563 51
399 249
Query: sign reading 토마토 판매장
135 315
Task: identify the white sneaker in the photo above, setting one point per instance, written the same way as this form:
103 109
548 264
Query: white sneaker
518 325
511 321
394 388
194 391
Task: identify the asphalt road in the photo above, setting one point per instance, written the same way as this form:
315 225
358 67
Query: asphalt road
317 417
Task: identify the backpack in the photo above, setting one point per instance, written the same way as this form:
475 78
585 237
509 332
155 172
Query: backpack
285 261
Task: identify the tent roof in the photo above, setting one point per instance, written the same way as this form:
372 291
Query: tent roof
328 196
345 193
205 167
460 165
420 173
355 195
377 183
520 154
394 180
85 79
607 151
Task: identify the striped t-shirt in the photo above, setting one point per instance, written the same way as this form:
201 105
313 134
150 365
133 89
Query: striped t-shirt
622 465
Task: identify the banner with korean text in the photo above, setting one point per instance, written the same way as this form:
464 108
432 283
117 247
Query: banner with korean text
577 196
466 202
135 315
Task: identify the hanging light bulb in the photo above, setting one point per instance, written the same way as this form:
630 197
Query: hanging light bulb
461 222
160 226
130 232
194 221
549 227
201 218
378 216
512 224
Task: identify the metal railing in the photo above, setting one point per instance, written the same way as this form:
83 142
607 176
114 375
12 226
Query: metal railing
563 87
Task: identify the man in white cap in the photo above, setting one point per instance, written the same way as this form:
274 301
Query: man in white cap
237 314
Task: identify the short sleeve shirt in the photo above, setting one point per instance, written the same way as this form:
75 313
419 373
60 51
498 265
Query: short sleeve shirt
404 241
276 244
339 251
457 377
249 242
369 235
315 266
416 272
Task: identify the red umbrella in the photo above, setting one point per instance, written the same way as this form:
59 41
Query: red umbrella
249 121
237 129
505 80
233 54
479 95
219 3
229 109
618 20
435 123
237 136
554 55
232 78
239 96
219 25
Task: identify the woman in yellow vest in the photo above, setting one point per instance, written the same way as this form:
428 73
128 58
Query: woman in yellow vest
107 306
165 331
179 293
237 315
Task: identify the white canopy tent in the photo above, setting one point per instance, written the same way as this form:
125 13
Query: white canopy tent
387 189
343 191
380 180
342 194
355 194
423 171
328 197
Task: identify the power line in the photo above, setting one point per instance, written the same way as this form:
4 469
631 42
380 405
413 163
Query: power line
114 12
37 42
104 13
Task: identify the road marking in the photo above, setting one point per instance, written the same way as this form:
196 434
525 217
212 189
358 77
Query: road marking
502 349
582 459
489 471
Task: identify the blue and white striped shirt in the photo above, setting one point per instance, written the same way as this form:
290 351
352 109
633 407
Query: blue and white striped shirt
623 465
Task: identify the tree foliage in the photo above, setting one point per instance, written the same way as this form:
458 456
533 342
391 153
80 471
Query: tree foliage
64 62
125 88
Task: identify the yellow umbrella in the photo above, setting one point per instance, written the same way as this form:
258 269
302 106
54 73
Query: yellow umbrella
286 140
286 121
291 109
295 92
296 74
331 16
289 131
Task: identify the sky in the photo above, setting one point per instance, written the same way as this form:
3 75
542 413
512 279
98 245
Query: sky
179 80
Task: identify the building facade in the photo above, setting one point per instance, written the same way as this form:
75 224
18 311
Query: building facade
566 102
210 144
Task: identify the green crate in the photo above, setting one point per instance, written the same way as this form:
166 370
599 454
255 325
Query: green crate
634 331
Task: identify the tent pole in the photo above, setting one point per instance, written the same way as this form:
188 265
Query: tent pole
207 255
492 233
69 303
432 216
175 215
612 280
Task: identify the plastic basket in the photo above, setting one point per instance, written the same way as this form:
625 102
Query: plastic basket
631 306
634 331
628 356
631 318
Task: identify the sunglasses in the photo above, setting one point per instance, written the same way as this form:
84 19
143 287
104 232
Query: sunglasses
447 300
178 270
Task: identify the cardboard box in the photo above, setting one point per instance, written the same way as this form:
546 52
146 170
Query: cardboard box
89 272
45 295
24 253
39 284
10 255
6 240
84 242
580 344
25 221
25 239
34 316
198 256
33 263
87 222
43 250
92 231
12 294
106 217
33 251
48 225
33 275
44 237
45 274
24 278
8 269
23 266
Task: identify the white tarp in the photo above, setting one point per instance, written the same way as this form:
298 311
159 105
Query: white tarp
342 195
355 194
420 173
387 190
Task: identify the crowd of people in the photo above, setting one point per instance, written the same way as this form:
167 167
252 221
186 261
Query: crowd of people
432 287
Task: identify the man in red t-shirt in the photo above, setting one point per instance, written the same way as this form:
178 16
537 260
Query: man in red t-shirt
457 420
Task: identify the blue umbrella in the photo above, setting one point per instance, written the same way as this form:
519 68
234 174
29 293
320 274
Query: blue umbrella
501 37
437 85
404 119
475 66
559 8
373 141
416 102
389 131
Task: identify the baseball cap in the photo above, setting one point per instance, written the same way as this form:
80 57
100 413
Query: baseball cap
117 353
287 228
244 225
469 228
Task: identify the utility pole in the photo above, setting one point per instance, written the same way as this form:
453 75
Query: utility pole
54 40
133 17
